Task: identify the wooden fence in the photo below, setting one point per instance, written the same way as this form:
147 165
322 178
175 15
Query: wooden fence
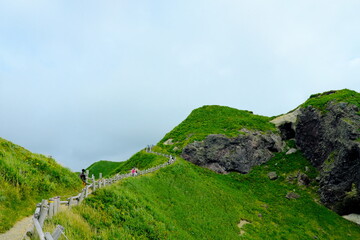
48 208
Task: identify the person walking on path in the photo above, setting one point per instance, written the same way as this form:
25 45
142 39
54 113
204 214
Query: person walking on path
134 171
83 177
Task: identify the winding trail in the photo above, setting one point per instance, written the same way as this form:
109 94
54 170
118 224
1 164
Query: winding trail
19 230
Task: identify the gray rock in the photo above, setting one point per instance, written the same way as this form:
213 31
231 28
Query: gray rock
329 140
291 151
240 154
272 175
292 195
286 124
303 179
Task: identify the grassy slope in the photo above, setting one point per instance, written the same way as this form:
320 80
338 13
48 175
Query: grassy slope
25 179
140 160
214 120
184 201
321 99
104 167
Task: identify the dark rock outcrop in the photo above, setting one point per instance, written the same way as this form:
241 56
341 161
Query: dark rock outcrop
223 154
330 140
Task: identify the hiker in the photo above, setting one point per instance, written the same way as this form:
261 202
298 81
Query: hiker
133 172
83 176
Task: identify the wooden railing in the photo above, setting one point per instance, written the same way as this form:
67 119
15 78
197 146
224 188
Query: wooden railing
48 208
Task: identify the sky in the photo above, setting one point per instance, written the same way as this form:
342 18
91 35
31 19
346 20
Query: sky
85 81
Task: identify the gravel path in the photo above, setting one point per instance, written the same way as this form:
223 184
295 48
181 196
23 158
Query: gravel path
18 231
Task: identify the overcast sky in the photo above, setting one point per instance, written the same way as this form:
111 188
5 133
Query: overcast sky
90 80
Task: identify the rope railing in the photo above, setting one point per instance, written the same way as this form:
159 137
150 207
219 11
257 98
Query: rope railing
49 208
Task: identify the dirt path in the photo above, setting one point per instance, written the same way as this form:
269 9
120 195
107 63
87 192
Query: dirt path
18 231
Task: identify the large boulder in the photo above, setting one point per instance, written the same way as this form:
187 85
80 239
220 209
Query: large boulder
330 140
223 154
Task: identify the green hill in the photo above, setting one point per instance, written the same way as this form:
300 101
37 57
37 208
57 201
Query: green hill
141 160
320 100
213 120
104 167
184 201
26 178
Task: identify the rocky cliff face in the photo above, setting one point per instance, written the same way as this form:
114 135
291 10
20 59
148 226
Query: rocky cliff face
223 154
330 140
328 135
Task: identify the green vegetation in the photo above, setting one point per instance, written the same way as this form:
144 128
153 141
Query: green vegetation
141 160
320 100
184 201
25 179
104 167
213 120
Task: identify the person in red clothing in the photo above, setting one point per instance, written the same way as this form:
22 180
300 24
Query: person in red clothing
133 171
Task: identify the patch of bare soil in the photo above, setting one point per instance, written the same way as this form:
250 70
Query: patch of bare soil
241 224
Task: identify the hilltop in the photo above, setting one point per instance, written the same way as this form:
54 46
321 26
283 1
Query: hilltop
213 119
26 178
326 128
321 100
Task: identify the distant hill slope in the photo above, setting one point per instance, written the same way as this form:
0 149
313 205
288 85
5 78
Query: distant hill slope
213 120
104 167
184 201
140 160
26 178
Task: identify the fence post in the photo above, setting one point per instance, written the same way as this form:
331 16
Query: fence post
48 236
38 228
71 202
55 199
94 183
43 211
58 202
86 189
81 198
51 207
87 176
57 233
100 180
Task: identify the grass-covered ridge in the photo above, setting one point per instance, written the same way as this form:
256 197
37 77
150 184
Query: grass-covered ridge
104 167
213 120
141 160
184 201
320 100
26 178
